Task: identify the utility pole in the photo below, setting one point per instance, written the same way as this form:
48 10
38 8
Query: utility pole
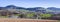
36 15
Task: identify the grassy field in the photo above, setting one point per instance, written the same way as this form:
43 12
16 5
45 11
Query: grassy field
25 20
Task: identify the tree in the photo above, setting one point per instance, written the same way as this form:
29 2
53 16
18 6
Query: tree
30 15
45 16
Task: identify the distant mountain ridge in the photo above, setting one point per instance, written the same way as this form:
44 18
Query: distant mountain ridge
36 9
54 9
15 7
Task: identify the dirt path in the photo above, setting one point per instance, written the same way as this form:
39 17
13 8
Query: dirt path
24 20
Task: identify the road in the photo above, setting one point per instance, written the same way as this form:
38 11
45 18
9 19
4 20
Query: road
24 20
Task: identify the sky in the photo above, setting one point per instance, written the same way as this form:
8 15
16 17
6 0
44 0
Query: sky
31 3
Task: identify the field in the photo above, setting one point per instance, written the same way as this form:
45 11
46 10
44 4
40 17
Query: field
24 20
